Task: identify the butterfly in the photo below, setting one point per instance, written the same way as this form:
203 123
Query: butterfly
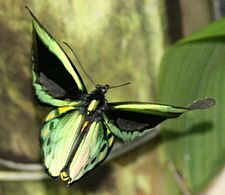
80 131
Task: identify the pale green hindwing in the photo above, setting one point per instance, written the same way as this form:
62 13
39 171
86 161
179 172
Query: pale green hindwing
92 150
58 136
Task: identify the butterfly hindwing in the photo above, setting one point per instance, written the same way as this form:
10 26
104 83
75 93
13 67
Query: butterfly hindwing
92 150
66 148
54 77
128 120
58 136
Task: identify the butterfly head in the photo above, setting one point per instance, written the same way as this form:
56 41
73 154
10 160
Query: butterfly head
102 88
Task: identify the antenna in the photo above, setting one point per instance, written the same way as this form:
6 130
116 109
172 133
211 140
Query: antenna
79 63
116 86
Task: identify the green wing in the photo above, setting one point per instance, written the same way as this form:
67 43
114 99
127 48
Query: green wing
58 136
72 146
55 79
92 150
128 120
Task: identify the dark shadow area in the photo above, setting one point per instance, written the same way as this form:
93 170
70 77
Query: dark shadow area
134 154
91 182
96 178
200 128
174 22
166 135
222 7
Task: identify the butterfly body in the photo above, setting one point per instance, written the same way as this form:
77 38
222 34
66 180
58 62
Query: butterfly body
93 104
79 132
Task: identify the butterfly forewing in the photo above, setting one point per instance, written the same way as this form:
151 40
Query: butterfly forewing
54 77
128 120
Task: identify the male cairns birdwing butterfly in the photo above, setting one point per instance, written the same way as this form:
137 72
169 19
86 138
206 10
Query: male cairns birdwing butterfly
80 130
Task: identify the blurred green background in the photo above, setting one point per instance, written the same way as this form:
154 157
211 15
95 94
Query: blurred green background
123 41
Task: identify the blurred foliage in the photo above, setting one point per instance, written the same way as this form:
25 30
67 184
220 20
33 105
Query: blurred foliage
194 68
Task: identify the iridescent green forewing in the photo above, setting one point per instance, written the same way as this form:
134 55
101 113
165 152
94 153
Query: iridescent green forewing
55 79
128 120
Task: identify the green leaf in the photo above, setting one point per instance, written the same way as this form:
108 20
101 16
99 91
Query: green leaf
213 30
192 69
